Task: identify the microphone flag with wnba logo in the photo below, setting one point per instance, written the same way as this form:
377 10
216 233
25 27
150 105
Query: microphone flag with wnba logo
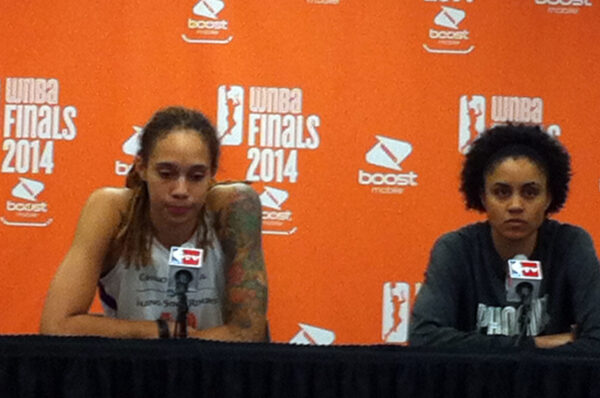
522 271
185 258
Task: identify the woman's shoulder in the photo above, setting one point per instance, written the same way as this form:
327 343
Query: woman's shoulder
466 234
107 206
100 219
564 232
111 197
224 195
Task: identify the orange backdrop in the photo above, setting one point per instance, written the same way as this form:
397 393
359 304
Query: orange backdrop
349 116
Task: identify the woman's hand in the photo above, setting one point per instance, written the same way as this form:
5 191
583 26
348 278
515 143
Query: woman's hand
66 310
553 340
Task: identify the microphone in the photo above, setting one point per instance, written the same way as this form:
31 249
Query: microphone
183 277
523 279
184 267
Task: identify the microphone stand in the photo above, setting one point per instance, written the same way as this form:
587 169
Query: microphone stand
524 290
182 280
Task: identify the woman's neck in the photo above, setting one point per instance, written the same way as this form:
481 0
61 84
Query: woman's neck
508 248
174 236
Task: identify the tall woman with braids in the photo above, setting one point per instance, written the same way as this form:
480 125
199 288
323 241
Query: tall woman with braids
121 245
517 175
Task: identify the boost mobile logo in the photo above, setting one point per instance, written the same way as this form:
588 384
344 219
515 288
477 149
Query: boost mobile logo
209 9
449 17
273 198
447 41
28 190
207 31
130 147
230 115
388 153
312 335
578 3
564 6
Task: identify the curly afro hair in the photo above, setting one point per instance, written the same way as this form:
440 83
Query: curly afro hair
505 141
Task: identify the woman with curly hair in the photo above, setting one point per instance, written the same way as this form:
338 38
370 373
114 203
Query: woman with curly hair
123 238
517 175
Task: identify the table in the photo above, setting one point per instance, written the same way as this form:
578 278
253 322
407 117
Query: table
63 367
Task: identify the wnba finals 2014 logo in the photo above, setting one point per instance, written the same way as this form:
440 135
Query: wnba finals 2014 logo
208 23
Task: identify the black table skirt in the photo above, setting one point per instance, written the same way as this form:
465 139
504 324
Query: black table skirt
40 366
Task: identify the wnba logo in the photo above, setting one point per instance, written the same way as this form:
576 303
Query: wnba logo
396 305
471 120
230 115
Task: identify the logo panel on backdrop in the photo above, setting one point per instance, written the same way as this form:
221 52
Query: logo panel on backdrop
130 147
449 33
276 220
395 307
35 122
564 6
207 25
313 335
25 210
230 115
272 124
395 312
388 153
503 109
471 120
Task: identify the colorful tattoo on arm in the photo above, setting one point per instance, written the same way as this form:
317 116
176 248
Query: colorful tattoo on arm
246 286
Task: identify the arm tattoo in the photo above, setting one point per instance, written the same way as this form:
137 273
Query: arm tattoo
240 236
